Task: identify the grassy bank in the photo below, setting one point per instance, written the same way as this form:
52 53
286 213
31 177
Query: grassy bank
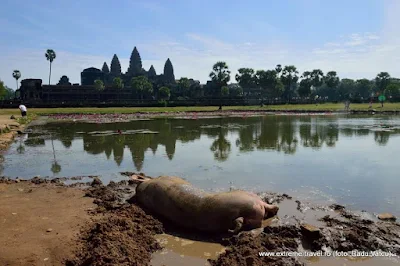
310 107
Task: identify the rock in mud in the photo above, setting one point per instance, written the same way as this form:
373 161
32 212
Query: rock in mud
310 231
386 217
96 182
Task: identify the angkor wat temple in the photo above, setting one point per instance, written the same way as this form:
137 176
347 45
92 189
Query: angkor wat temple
34 92
135 69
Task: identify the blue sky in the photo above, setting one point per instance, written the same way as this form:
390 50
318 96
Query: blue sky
356 38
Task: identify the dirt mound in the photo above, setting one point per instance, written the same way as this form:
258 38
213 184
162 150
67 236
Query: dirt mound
355 233
123 237
244 249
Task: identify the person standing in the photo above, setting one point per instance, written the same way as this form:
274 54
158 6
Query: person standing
23 110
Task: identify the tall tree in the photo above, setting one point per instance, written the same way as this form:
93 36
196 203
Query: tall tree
346 89
141 85
304 89
50 56
317 77
246 78
268 82
363 88
220 75
382 80
184 85
135 64
169 76
16 74
289 78
115 68
105 68
332 81
3 90
278 69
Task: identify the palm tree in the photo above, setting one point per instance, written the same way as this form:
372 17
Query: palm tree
16 74
50 56
221 76
55 167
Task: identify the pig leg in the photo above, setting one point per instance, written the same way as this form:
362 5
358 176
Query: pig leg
237 223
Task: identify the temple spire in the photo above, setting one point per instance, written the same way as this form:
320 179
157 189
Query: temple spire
169 72
135 63
105 68
115 66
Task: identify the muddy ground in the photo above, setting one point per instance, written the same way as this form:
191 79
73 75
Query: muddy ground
119 232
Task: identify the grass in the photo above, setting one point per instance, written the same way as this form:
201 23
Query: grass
125 110
25 120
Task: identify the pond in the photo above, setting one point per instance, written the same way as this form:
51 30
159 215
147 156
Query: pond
351 160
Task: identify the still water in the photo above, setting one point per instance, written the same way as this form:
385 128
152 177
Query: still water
346 159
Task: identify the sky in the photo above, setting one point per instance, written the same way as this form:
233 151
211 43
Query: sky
357 38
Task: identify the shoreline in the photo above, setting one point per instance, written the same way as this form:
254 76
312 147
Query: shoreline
9 129
125 233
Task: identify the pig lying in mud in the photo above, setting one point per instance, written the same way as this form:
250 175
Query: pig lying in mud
178 201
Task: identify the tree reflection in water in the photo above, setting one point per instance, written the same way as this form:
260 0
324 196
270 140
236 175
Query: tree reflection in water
278 133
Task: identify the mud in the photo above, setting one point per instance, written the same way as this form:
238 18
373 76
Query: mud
126 234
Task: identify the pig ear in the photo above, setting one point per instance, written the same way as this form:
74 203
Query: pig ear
139 179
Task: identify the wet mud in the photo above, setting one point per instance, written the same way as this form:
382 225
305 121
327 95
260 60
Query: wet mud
127 234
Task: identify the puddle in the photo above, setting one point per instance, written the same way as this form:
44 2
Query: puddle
181 251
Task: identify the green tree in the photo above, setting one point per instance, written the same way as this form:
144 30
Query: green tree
184 85
246 78
304 89
393 89
16 74
382 80
3 90
235 90
346 89
332 81
164 93
278 69
50 56
363 88
267 81
317 78
118 83
220 75
99 85
289 78
141 85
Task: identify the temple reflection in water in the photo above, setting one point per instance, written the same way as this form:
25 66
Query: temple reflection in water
276 133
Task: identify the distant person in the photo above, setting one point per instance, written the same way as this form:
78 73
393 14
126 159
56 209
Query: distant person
370 104
23 110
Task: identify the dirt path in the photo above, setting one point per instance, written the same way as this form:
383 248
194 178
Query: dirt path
40 223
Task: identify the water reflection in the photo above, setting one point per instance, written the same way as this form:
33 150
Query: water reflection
277 133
